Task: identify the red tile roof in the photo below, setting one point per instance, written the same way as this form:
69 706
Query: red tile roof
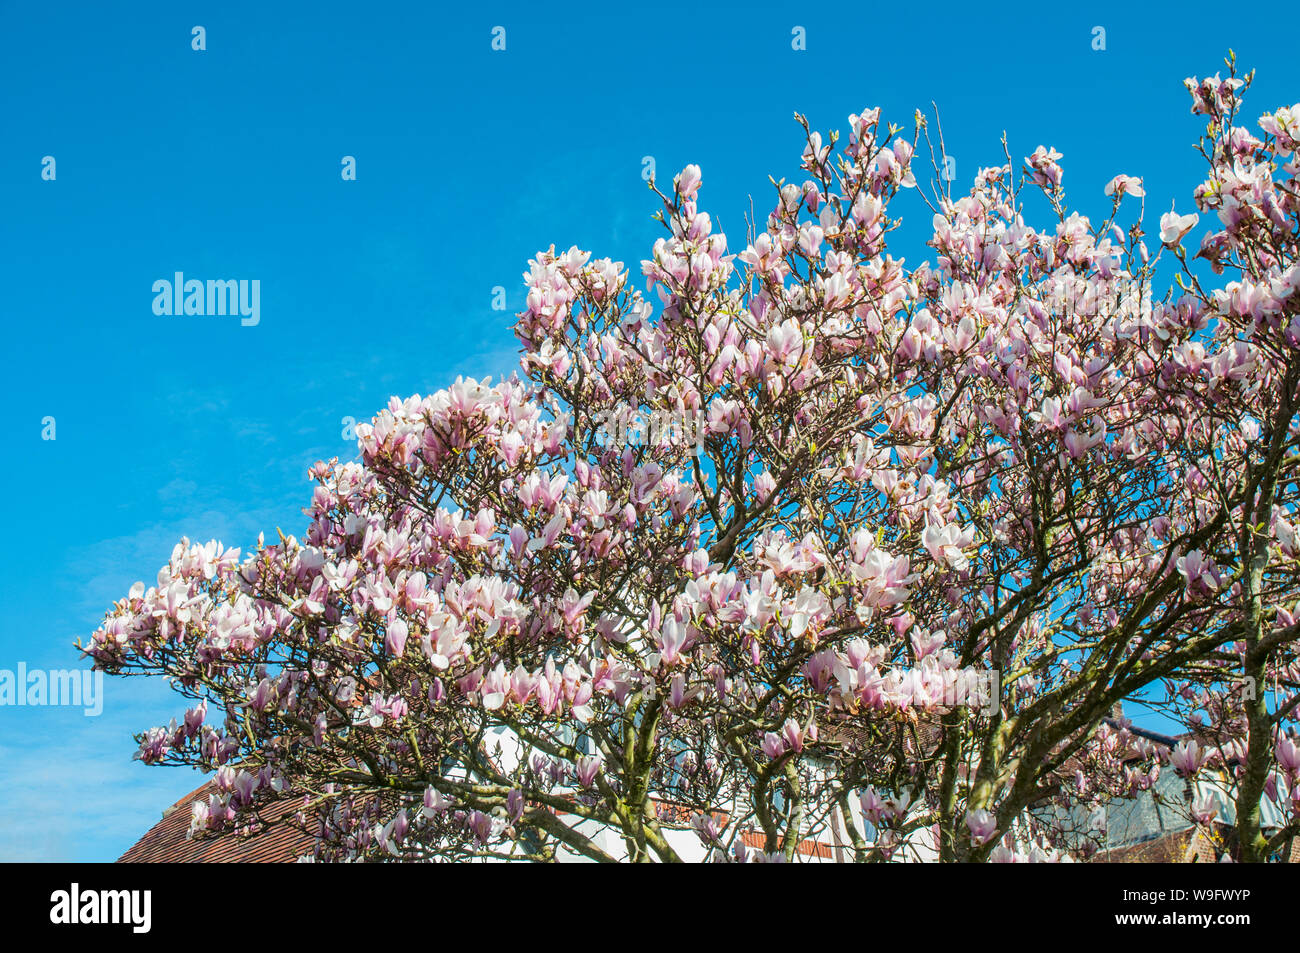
166 843
1185 846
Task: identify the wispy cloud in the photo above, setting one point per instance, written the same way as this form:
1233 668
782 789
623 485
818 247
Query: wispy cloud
71 790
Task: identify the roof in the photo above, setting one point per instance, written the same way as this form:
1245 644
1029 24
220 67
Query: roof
1201 844
1187 845
167 842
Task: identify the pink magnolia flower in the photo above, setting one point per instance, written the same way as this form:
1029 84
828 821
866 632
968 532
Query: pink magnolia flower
1050 416
1125 185
1045 170
706 826
1173 227
1287 752
1200 573
983 826
480 825
673 639
395 639
773 745
794 736
515 805
946 543
1187 757
874 808
588 766
1204 809
688 182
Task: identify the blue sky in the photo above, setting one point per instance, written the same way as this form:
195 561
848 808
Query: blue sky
225 163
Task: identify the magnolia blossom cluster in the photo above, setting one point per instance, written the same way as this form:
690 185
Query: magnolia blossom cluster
930 525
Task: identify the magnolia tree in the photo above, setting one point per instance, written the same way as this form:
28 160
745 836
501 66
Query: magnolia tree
900 541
